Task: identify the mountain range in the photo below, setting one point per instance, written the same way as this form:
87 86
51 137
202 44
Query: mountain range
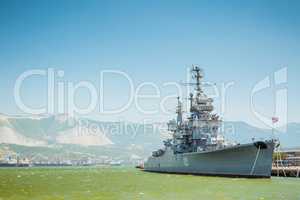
61 134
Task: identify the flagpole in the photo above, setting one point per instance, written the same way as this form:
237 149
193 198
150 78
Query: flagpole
277 156
274 120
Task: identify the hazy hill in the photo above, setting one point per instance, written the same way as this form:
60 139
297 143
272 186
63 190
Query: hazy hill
46 130
243 132
61 135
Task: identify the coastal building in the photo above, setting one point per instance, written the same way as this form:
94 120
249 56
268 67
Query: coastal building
291 156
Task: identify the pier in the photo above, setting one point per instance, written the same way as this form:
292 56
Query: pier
291 171
286 162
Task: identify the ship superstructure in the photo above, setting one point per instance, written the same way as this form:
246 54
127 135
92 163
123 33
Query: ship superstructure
201 131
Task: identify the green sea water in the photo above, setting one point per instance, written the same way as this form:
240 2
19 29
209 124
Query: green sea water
132 184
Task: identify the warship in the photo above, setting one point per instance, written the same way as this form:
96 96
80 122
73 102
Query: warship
198 145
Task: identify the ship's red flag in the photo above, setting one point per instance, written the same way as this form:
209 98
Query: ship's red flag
275 120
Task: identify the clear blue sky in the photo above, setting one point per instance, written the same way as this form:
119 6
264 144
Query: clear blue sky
152 41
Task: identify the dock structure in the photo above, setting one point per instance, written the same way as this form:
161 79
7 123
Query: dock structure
286 162
290 171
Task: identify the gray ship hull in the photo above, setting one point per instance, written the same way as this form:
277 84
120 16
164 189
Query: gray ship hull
247 160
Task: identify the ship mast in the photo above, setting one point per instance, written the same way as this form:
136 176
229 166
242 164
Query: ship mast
198 75
179 112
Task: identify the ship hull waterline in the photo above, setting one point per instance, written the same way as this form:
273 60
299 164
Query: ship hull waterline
252 160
